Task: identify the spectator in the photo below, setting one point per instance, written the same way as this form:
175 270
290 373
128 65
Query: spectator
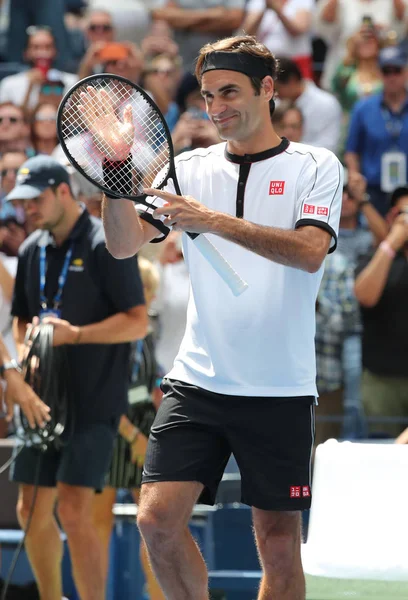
336 308
355 241
159 40
382 291
285 28
161 77
338 20
40 54
291 125
39 13
99 27
101 309
193 129
359 74
10 163
44 138
14 130
196 24
98 32
377 142
321 111
124 59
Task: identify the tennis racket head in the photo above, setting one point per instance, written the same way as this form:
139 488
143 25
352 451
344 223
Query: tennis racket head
108 117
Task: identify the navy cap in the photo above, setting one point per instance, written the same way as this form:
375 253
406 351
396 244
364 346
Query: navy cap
36 175
392 56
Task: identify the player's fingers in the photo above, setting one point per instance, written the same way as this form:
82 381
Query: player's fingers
128 115
166 211
105 101
161 194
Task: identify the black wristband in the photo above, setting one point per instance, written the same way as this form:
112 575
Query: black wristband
117 177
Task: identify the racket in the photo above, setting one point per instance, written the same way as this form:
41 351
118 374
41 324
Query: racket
108 118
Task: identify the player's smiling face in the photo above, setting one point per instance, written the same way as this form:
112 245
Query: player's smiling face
233 105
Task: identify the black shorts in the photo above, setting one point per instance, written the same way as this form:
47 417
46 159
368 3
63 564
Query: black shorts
83 461
195 432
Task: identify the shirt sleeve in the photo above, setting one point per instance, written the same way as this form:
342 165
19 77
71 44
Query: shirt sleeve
320 194
19 303
120 280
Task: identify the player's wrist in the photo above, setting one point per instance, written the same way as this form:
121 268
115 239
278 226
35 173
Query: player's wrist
76 335
133 436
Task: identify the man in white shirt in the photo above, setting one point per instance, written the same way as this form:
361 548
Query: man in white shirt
244 377
322 115
24 88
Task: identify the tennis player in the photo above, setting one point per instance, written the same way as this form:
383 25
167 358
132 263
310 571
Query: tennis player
244 378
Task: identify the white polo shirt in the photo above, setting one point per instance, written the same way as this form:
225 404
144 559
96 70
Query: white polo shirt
261 343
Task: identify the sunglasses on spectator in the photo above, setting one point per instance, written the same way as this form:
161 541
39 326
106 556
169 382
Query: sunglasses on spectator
96 27
391 70
5 172
12 120
44 118
167 72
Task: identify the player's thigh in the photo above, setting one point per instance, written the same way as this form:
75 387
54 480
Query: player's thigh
186 443
272 441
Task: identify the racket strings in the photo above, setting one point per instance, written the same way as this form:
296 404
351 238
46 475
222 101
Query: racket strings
97 128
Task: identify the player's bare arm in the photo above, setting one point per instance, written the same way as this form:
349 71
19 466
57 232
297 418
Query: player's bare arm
304 248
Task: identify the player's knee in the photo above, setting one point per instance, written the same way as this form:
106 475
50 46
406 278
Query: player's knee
278 549
155 523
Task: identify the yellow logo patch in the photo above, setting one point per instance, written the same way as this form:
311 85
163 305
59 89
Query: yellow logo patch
78 262
24 171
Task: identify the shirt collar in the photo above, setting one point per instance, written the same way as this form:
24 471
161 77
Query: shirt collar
384 105
258 156
46 238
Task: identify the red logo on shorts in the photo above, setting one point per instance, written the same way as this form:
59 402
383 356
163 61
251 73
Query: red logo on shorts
295 491
276 188
322 210
309 209
299 491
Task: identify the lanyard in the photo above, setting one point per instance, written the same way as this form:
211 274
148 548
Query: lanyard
61 279
394 123
137 359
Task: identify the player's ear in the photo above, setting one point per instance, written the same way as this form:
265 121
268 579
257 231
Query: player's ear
268 87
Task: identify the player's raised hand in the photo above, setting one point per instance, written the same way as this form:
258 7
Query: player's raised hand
112 137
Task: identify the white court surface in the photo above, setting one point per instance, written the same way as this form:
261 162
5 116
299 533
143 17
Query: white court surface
359 517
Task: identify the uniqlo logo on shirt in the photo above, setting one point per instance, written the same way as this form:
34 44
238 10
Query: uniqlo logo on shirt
305 491
295 491
309 209
322 210
276 188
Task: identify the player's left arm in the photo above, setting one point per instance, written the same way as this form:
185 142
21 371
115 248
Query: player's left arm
318 208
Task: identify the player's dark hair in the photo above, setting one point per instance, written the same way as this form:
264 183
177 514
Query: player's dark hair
245 44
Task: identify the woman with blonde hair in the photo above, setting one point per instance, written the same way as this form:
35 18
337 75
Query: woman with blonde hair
358 75
134 428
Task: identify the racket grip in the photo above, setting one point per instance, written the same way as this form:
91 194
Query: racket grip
221 265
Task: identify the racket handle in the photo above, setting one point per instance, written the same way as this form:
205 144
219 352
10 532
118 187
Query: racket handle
220 264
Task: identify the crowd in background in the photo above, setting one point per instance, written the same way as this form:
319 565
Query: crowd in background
342 85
